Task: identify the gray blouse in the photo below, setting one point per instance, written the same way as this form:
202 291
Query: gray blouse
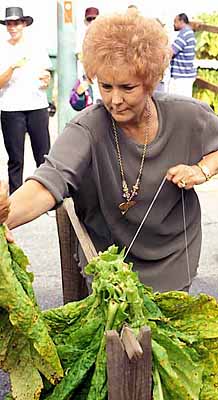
83 163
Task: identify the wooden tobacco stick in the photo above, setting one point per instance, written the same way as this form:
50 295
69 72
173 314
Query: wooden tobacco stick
80 230
203 84
200 27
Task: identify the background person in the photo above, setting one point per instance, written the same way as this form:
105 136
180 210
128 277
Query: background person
163 85
91 13
132 7
24 76
112 157
183 69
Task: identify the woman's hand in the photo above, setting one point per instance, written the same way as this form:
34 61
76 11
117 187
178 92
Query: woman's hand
20 63
5 209
8 234
44 78
4 202
185 176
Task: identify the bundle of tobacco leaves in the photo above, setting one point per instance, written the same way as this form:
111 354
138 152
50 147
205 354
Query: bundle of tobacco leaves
26 349
184 334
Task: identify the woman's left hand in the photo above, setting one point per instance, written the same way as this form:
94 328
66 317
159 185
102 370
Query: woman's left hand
45 78
185 176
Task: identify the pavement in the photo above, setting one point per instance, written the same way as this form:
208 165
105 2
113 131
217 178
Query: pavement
39 240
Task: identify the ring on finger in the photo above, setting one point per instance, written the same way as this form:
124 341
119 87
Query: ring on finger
183 183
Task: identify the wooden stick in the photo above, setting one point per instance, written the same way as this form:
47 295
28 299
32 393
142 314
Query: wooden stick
80 230
203 84
73 283
200 27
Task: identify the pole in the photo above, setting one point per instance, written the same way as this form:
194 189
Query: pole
66 60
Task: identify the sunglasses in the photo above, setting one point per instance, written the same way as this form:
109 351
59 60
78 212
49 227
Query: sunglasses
90 19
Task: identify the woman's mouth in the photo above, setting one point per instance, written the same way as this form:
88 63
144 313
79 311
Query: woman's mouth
118 111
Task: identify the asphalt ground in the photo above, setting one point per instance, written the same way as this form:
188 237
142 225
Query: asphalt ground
39 240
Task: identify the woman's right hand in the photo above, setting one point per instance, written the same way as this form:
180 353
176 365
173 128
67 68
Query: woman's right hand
5 209
4 202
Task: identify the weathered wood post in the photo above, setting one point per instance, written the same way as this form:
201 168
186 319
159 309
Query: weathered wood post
129 365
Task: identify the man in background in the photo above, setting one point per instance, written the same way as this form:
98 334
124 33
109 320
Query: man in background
183 70
24 78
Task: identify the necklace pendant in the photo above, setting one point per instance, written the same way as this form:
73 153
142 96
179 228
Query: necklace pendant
124 207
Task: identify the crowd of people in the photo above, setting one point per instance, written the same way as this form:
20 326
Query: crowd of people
116 155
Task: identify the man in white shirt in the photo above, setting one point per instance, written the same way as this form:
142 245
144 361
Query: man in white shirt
24 76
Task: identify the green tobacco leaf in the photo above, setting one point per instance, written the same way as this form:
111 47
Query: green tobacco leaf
111 257
98 387
82 391
21 317
206 46
184 333
195 315
18 256
79 369
64 320
6 334
210 377
180 376
157 384
26 381
8 396
78 341
19 265
208 349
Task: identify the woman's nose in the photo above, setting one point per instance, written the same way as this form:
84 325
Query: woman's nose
117 97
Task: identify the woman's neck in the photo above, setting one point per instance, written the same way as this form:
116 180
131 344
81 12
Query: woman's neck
146 124
13 42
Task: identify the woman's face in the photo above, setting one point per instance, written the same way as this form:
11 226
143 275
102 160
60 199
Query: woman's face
123 94
15 29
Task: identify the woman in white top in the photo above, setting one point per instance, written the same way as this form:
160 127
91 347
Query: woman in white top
24 76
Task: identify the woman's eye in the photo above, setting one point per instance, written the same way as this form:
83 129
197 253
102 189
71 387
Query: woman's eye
128 88
106 87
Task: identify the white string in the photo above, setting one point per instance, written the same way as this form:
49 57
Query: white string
186 240
145 216
184 224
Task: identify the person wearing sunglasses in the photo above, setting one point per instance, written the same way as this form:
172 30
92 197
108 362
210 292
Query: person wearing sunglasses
90 14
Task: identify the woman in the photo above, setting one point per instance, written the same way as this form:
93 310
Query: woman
112 157
24 78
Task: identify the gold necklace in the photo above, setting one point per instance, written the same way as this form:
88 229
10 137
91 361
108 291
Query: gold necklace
129 196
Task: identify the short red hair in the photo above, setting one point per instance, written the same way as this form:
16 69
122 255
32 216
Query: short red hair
128 39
